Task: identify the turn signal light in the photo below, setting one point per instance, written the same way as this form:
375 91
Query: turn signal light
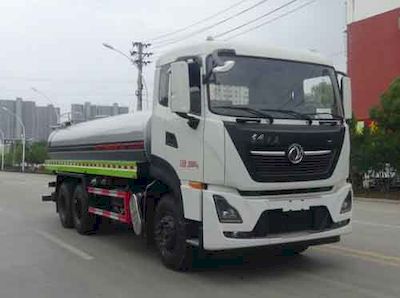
197 185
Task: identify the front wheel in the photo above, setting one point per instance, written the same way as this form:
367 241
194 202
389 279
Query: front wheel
170 235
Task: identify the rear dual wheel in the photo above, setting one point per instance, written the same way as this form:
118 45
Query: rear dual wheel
64 204
84 222
73 205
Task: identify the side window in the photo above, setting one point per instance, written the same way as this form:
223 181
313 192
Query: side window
195 88
164 85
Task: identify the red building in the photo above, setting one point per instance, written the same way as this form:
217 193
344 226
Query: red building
373 50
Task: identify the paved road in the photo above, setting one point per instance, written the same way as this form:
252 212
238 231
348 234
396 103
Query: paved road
40 259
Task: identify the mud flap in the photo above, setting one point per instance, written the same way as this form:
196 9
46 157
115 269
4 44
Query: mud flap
136 216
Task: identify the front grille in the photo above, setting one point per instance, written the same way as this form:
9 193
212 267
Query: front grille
280 169
266 138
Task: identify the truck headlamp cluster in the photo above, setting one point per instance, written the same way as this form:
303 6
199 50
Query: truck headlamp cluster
226 212
347 203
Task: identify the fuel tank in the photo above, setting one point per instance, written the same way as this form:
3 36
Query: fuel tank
122 137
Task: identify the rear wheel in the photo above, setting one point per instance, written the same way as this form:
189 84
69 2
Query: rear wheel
170 235
64 204
84 222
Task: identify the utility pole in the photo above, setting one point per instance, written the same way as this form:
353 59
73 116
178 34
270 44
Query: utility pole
139 58
3 140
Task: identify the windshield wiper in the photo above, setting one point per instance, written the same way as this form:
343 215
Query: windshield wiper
250 110
290 112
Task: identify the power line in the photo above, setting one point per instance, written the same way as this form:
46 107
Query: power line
201 30
255 20
198 22
272 20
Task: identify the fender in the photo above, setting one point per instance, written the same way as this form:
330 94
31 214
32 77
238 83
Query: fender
162 170
62 176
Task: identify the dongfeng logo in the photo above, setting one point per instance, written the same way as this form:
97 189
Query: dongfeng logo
295 154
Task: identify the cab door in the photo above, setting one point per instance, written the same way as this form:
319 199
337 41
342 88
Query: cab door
177 134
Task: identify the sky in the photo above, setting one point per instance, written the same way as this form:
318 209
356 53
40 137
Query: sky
55 46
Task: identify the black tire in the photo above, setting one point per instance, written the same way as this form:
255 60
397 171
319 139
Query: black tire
64 198
84 222
170 235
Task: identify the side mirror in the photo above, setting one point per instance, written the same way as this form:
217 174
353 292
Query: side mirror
179 90
346 97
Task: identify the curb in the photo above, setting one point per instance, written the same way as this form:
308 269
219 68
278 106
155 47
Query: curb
376 200
26 173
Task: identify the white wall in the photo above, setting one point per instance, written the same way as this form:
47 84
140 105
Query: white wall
361 9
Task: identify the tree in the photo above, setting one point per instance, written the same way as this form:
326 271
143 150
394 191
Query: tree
388 113
378 147
37 153
387 116
14 155
361 157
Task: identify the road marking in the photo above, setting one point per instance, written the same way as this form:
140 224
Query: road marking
362 254
348 286
357 208
367 223
65 245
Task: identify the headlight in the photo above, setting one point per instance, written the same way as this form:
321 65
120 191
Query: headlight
347 203
226 213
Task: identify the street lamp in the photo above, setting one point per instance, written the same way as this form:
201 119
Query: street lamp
2 149
49 100
23 133
110 47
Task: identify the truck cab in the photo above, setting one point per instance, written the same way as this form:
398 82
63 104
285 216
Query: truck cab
258 141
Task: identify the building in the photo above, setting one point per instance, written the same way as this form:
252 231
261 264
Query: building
37 120
373 50
87 111
46 119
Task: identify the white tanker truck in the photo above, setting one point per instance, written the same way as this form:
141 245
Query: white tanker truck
244 147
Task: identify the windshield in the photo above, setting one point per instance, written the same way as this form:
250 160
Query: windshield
279 87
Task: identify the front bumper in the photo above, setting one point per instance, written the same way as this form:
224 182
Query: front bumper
251 208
